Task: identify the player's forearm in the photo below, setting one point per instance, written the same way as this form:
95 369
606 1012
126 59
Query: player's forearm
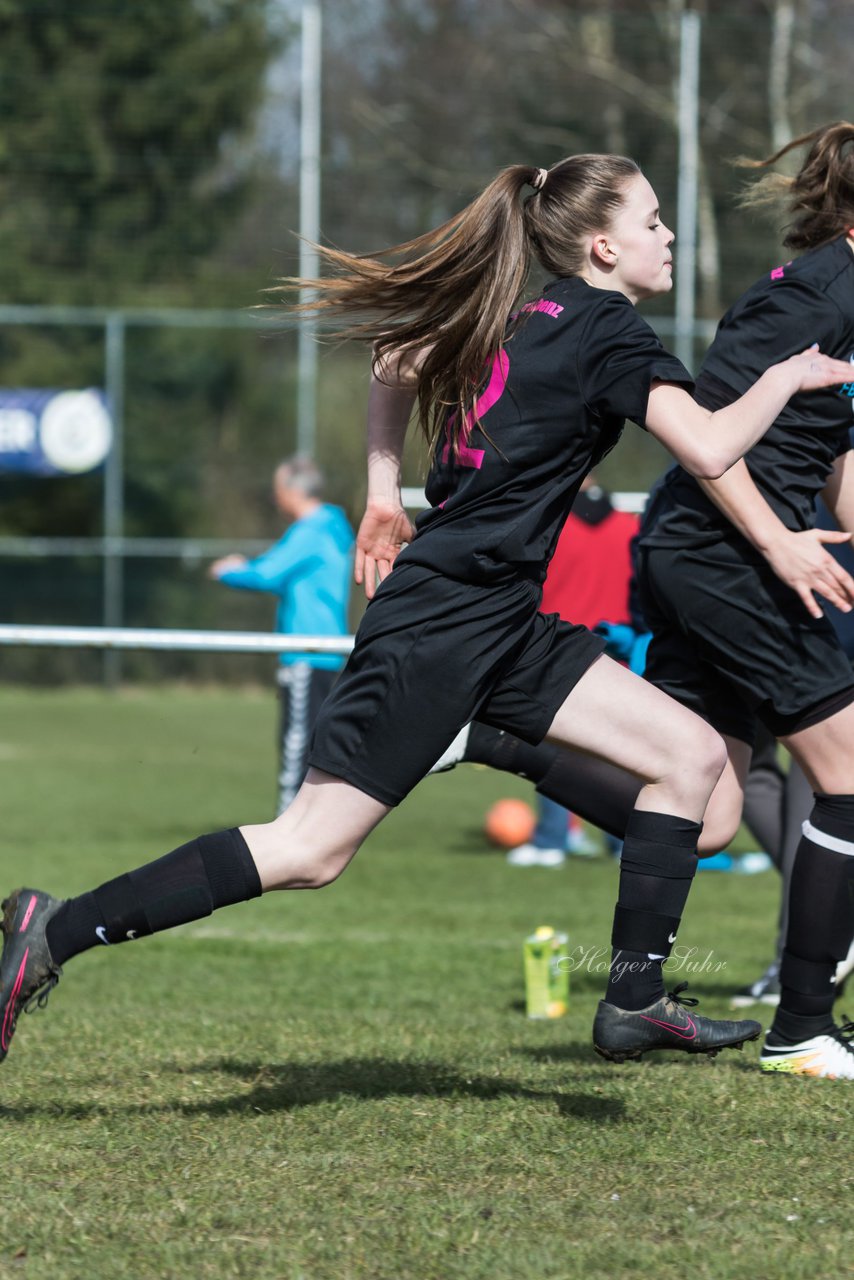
735 494
389 410
708 443
246 579
741 424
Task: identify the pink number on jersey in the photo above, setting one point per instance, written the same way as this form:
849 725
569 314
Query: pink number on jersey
491 395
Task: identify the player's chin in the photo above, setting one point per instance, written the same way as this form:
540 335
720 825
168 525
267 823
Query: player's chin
662 284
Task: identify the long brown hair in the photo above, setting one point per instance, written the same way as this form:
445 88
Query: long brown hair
821 194
451 290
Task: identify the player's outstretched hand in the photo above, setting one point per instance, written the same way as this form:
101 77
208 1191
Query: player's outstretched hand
814 371
385 528
801 561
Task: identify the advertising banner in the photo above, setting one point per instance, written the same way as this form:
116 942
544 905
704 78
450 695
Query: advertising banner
52 433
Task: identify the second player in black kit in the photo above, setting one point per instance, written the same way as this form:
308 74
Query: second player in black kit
731 640
729 569
723 595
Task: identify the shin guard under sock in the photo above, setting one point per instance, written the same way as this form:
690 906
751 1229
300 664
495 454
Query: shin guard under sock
657 867
194 880
821 919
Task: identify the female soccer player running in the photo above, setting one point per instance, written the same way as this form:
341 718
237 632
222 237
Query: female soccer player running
454 631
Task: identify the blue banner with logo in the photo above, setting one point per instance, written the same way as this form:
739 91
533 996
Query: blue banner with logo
53 433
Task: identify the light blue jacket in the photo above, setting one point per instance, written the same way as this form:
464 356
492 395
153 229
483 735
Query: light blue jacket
309 569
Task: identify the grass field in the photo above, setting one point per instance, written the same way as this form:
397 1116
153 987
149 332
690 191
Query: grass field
343 1086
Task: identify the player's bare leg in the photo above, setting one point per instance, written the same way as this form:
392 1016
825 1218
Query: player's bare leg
313 841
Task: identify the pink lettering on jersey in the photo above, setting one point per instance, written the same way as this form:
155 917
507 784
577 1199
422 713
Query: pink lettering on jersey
545 305
492 393
779 272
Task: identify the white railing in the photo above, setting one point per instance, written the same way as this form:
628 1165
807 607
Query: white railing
162 638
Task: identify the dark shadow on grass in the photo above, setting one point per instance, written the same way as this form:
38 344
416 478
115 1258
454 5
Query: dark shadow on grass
288 1086
275 1087
653 1058
583 1053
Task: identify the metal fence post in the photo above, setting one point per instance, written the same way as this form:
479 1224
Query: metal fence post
686 217
113 563
309 209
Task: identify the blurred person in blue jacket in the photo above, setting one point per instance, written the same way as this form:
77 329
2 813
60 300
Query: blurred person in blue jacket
309 569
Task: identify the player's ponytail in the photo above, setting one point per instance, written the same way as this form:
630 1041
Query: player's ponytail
450 291
820 197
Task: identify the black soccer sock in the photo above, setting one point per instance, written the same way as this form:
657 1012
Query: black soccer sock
194 880
821 919
503 751
656 869
599 792
764 796
595 790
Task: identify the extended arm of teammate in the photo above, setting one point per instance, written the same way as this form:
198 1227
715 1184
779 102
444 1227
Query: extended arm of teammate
385 526
707 444
798 558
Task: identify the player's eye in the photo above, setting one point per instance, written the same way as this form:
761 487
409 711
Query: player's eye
654 226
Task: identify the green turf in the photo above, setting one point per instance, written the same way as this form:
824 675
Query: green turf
342 1085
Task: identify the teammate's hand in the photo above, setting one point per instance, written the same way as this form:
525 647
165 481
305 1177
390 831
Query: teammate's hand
812 370
385 528
801 561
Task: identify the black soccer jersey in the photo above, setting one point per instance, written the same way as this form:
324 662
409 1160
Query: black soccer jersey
808 300
576 363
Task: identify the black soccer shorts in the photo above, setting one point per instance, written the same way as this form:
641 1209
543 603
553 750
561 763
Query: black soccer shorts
432 654
733 642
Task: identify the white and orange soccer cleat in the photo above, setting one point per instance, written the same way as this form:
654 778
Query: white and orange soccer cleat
830 1055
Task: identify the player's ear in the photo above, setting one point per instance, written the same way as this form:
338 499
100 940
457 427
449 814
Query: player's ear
603 250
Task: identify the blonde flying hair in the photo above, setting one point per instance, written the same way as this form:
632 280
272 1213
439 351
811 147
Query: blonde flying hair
820 197
452 290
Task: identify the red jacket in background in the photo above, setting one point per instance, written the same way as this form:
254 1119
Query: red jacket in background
588 578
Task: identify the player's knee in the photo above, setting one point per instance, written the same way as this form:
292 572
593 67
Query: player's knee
711 753
698 757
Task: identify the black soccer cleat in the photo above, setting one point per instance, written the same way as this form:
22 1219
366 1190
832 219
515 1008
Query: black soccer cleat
27 970
619 1034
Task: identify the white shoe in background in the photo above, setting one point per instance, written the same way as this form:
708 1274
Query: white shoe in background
528 855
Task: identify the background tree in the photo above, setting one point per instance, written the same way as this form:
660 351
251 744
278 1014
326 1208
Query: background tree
123 156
